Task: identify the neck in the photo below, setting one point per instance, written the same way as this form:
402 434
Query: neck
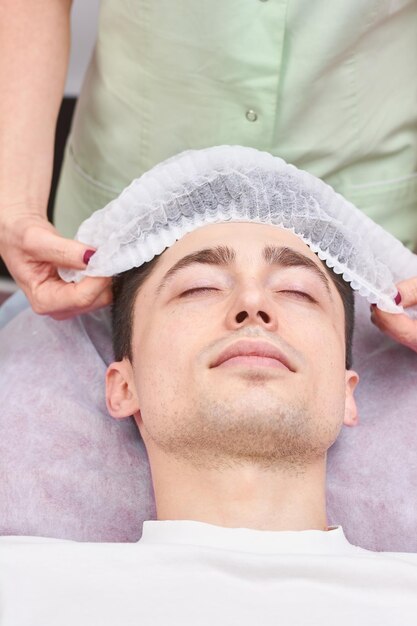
240 495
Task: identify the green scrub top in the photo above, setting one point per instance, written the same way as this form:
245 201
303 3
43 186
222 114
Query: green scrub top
330 86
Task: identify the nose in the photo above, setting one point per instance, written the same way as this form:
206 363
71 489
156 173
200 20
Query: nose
252 307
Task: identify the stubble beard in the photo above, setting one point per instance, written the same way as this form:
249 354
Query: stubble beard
271 434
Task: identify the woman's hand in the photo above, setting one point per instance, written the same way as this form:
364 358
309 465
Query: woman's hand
32 250
399 326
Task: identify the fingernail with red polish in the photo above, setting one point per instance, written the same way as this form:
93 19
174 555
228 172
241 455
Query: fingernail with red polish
398 298
373 306
87 255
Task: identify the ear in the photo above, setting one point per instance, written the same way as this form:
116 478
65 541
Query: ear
351 411
121 396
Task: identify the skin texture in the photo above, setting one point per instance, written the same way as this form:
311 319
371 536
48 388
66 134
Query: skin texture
237 446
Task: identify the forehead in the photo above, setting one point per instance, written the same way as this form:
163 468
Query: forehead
247 238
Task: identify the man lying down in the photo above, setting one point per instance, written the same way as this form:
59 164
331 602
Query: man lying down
232 343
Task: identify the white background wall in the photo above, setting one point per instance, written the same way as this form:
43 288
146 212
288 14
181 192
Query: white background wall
84 16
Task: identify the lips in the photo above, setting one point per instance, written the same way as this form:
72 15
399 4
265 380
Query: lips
252 348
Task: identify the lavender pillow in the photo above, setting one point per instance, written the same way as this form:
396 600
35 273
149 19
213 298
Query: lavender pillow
68 470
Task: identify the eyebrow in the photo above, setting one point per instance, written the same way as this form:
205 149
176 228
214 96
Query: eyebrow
224 256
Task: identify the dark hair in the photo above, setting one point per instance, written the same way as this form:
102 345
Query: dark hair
127 284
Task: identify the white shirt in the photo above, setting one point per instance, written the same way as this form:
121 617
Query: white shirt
193 573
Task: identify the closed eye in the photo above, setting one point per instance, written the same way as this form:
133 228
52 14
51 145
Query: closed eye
198 289
299 293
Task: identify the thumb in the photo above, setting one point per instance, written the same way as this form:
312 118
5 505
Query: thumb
50 247
408 291
400 327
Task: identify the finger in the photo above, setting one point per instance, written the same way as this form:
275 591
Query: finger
50 247
104 299
399 327
54 296
408 291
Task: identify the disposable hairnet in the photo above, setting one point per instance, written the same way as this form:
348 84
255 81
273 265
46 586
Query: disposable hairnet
239 184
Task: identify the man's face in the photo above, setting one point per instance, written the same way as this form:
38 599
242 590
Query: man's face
241 410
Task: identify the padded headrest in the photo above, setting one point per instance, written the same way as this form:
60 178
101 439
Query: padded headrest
68 470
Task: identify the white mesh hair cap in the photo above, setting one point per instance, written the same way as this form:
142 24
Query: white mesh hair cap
235 184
